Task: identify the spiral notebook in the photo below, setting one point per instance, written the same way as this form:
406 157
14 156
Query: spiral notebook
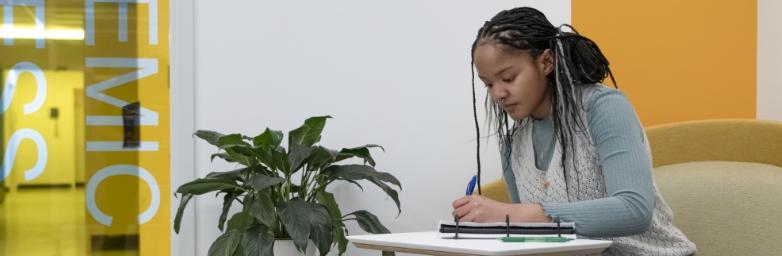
452 229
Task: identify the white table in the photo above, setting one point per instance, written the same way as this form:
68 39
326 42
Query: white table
430 243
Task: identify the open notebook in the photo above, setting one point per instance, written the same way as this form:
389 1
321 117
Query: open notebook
450 229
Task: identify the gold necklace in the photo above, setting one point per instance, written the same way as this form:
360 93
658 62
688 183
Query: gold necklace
544 184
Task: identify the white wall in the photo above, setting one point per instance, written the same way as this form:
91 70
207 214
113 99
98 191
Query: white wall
182 118
769 60
394 73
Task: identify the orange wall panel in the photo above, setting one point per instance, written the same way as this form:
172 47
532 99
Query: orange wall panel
678 60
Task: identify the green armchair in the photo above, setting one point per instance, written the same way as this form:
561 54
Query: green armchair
723 180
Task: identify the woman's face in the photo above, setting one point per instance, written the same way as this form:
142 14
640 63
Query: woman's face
517 78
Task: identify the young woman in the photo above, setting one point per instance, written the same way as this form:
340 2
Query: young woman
575 148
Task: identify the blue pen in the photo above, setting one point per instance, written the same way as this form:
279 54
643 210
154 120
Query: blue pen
471 184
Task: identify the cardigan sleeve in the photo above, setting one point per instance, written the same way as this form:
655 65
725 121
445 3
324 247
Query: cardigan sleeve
619 138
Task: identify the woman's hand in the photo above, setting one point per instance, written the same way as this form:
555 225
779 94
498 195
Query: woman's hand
477 208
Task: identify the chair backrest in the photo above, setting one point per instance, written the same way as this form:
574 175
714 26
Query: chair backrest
723 180
739 140
496 190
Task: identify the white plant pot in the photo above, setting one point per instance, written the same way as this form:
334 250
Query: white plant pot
285 247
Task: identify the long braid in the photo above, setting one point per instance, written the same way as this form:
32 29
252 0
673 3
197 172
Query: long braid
477 130
578 62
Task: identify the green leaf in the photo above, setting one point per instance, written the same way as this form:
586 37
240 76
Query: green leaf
241 221
241 154
356 183
321 157
269 137
342 241
265 156
302 220
390 192
182 204
327 200
201 186
387 177
369 222
228 200
223 156
209 136
258 241
239 251
229 175
361 152
260 182
244 150
351 172
226 244
309 133
321 233
261 206
294 217
358 172
261 169
280 159
239 158
364 172
231 139
297 155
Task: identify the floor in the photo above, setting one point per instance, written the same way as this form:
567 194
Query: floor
46 222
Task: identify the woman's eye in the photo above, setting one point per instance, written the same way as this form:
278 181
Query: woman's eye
507 80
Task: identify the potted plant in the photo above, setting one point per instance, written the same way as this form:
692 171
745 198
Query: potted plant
282 191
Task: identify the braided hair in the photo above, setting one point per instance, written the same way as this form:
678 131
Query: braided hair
577 62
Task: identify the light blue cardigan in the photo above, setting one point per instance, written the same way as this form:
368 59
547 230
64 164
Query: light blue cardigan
619 139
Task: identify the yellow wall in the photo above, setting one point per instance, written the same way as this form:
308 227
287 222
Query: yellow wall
58 133
677 60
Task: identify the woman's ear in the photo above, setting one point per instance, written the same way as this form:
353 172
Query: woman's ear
546 61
